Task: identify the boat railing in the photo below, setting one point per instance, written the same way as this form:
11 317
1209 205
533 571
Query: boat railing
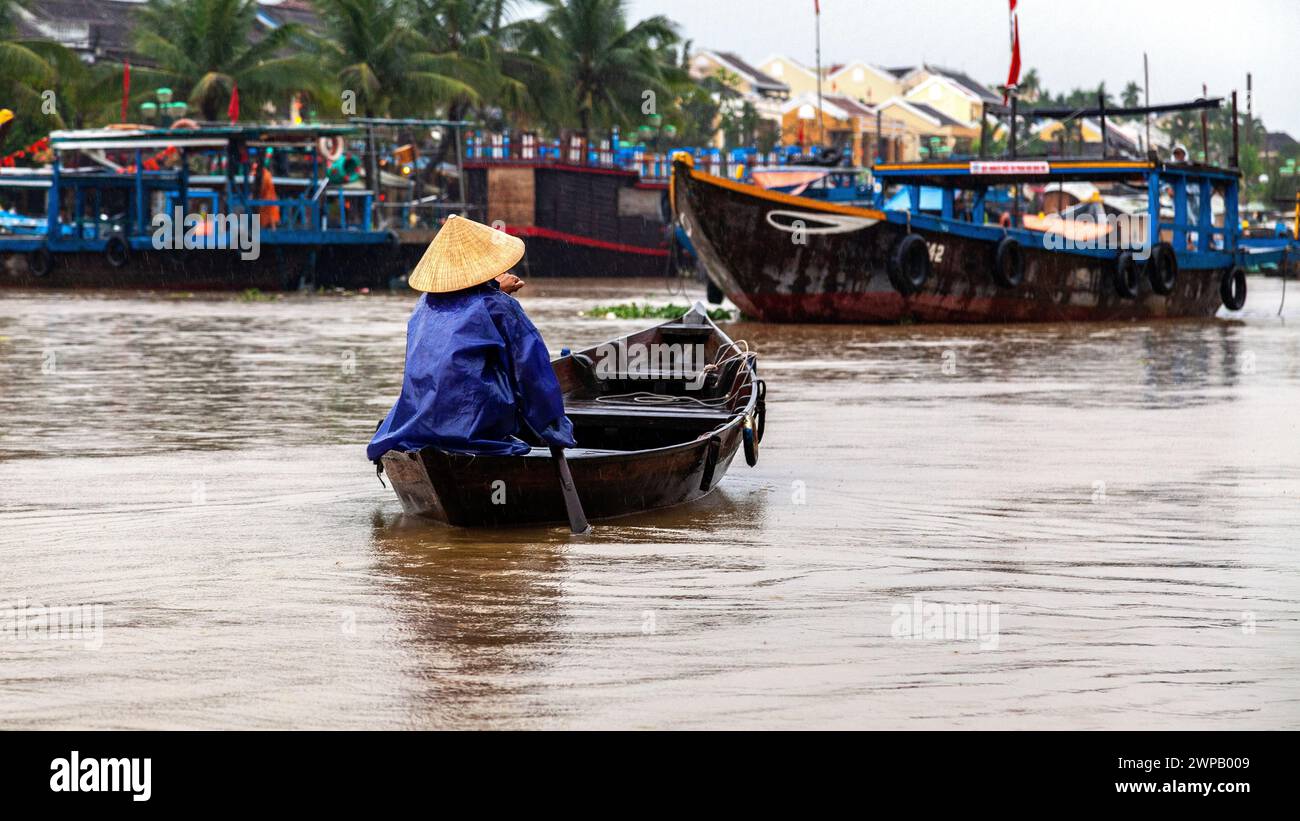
336 208
428 213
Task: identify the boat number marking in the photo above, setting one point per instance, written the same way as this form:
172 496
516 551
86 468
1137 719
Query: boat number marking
936 254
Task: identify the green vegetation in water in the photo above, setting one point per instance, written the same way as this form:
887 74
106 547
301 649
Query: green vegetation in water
631 310
255 295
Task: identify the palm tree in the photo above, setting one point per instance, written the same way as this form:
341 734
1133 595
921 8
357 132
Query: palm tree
204 48
7 16
606 66
372 50
1031 86
26 73
1132 95
473 42
1103 96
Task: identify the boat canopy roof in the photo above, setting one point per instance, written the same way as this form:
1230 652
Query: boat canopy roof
203 137
981 173
988 171
412 121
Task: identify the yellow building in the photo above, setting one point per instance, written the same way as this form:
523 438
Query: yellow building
931 127
863 81
857 79
799 78
846 124
1120 137
954 93
753 84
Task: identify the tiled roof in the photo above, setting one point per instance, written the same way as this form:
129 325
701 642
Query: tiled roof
935 113
853 107
967 82
760 79
1280 141
105 28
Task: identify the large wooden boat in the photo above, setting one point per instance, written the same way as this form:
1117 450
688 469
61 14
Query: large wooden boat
94 216
786 258
584 207
658 417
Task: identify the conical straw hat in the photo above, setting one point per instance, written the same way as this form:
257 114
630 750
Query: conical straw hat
464 254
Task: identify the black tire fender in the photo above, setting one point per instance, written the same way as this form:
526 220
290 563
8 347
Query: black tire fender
40 262
116 252
909 268
1232 289
749 436
1162 269
1009 264
713 293
1128 276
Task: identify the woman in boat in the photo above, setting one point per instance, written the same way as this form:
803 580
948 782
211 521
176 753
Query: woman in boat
477 370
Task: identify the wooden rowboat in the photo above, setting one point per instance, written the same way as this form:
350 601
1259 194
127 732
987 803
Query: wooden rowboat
658 416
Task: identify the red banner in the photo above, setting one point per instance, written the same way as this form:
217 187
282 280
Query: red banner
126 88
1013 76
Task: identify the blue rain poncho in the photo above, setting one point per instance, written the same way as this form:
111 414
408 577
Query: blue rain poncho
475 366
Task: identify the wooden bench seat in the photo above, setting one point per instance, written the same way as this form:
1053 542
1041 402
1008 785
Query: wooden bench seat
619 414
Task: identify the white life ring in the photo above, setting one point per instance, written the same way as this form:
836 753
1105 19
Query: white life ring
331 148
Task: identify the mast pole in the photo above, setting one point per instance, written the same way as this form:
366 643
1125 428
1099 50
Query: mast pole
1236 149
821 123
1146 91
1205 126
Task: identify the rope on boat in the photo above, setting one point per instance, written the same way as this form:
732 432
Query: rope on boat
1282 304
743 352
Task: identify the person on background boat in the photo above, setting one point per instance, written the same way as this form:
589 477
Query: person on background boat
267 215
477 370
1179 156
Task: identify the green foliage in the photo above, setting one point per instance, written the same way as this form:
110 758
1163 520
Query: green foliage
202 48
611 73
581 62
632 310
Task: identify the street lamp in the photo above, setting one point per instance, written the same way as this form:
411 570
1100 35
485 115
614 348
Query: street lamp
653 131
163 112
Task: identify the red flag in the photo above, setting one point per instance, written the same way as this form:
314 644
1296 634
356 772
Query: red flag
1013 76
817 6
126 88
233 110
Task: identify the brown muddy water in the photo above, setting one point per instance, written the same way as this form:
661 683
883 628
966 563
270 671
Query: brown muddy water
1109 513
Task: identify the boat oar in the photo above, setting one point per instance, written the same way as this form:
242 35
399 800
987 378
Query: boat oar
572 504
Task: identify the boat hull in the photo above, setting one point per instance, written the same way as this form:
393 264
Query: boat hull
631 456
576 221
837 269
278 268
501 491
548 256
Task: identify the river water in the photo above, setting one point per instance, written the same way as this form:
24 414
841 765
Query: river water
1076 526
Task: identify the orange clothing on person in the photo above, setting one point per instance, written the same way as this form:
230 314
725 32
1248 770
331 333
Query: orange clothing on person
269 215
